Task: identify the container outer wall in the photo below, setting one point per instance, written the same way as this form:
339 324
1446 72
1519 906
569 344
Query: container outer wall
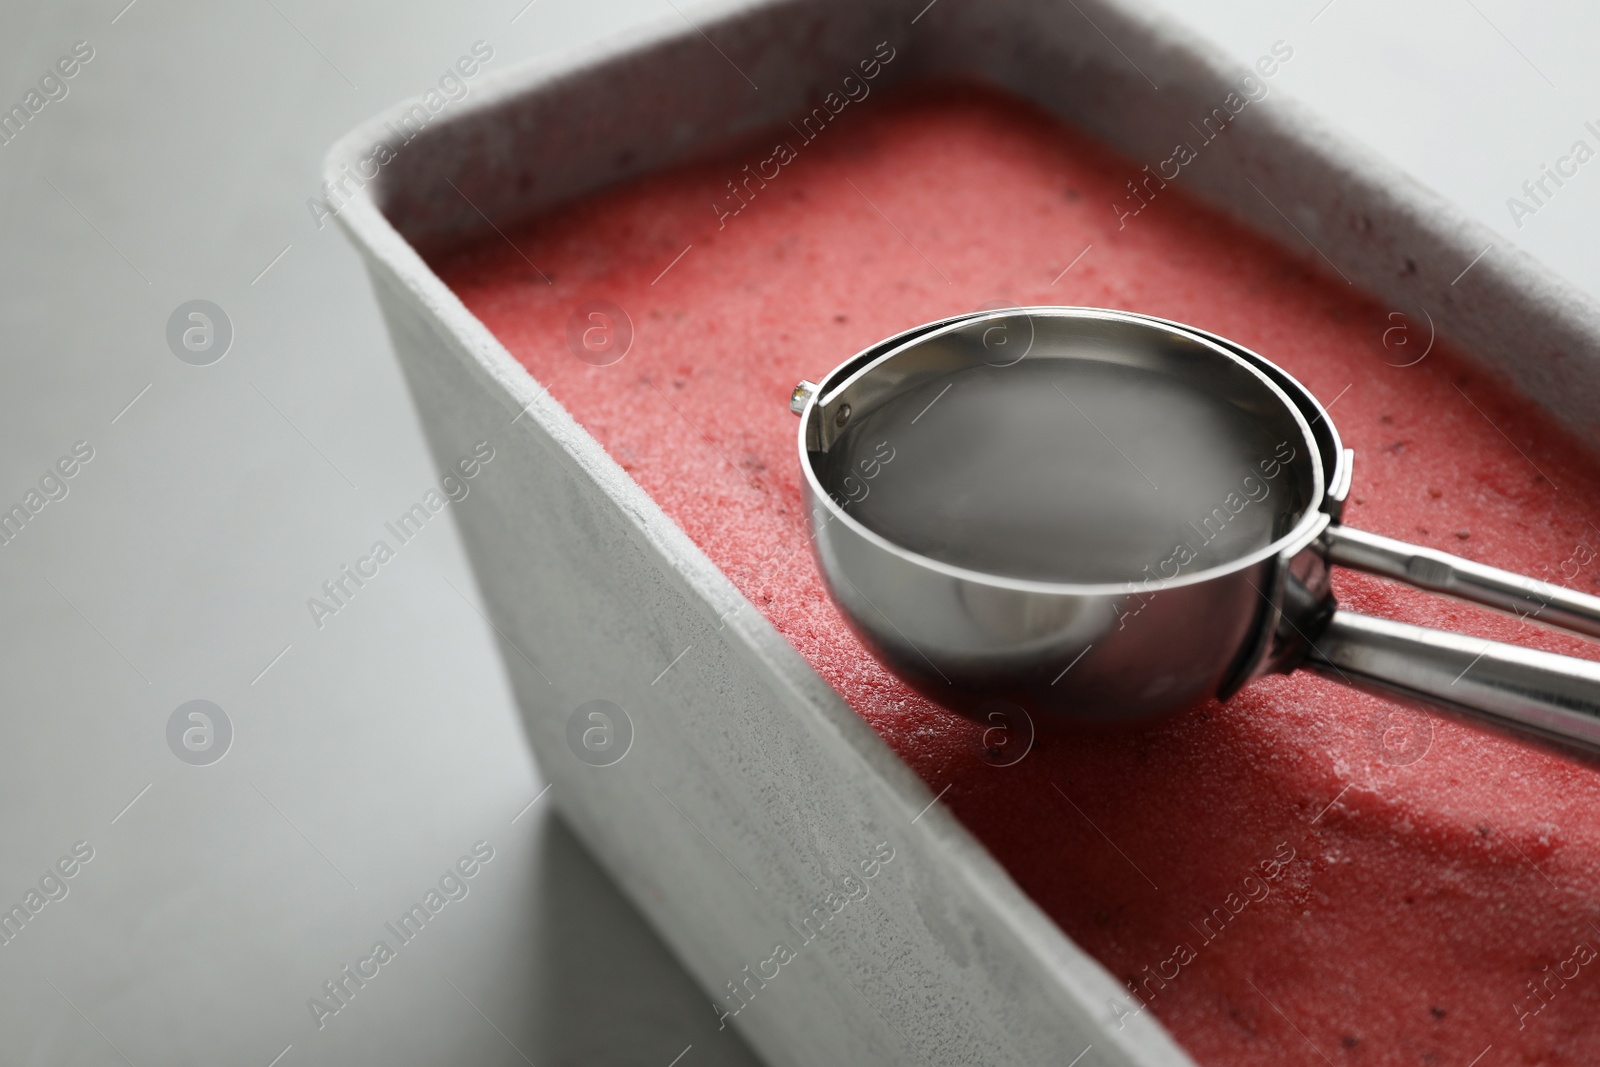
741 744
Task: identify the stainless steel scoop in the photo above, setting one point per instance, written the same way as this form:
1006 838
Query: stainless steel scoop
1106 517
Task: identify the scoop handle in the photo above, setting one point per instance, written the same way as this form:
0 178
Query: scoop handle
1551 697
1440 572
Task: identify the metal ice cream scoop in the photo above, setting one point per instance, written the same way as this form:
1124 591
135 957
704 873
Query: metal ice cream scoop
1106 517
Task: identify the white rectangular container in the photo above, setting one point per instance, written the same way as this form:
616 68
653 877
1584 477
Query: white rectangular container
751 789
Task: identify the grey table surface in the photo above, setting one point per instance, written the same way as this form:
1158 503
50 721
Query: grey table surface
368 755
